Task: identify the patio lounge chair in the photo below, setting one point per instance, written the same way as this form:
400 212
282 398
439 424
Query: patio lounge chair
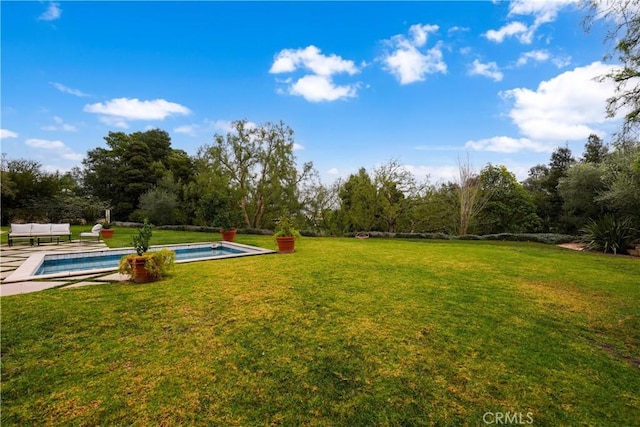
95 232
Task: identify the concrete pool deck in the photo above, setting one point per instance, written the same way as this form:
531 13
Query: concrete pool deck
13 257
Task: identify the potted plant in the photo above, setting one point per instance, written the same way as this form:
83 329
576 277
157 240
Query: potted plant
107 231
146 266
220 210
285 235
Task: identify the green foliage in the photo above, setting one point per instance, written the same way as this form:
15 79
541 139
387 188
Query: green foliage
258 165
132 165
141 240
221 210
542 184
157 263
622 180
160 206
624 16
32 194
509 208
358 202
610 234
285 227
580 190
595 150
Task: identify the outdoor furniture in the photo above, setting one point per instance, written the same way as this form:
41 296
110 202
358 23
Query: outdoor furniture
95 232
35 232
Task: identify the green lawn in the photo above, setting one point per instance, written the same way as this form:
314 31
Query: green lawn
344 332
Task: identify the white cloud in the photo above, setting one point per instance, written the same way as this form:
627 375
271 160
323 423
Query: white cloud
67 89
114 121
514 28
456 29
535 55
490 70
6 133
297 147
435 174
565 107
311 59
505 144
407 62
118 111
419 33
226 126
59 125
187 129
542 11
52 13
56 147
319 85
561 61
321 88
542 55
44 144
333 171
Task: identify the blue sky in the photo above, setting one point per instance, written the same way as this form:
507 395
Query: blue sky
361 83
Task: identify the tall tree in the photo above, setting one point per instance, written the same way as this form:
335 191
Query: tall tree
509 207
358 195
542 183
580 190
131 165
258 163
624 32
595 150
622 180
397 190
471 197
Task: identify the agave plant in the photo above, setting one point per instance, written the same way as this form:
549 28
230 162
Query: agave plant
610 234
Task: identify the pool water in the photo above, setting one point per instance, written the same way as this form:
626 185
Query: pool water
111 259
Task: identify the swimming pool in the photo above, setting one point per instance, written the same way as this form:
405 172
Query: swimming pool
43 265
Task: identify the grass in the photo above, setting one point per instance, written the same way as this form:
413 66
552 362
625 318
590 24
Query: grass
344 332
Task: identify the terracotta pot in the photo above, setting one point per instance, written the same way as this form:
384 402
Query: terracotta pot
228 235
140 274
286 244
107 233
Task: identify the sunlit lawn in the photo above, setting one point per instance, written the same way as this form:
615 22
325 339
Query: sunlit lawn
344 332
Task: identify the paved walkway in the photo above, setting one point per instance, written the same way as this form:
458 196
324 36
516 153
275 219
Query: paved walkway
12 257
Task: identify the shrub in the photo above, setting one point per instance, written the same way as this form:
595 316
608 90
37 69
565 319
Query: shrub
610 234
468 237
436 236
157 263
141 240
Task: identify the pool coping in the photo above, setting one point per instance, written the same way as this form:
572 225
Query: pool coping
25 272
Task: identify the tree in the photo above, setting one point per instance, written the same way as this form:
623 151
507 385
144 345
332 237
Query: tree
31 194
471 197
625 33
542 183
132 165
595 151
320 204
258 164
622 180
397 190
580 190
358 196
435 210
509 208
